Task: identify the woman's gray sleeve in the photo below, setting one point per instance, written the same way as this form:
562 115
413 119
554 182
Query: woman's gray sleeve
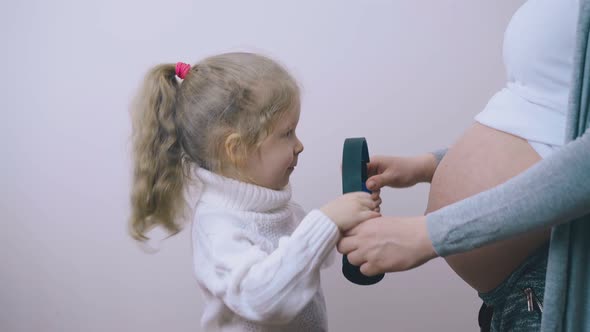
555 190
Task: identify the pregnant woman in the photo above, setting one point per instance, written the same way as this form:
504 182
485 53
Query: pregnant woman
511 177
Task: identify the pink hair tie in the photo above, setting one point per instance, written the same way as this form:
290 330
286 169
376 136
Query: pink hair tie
182 69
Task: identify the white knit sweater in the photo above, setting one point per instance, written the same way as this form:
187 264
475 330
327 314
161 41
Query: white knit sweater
257 258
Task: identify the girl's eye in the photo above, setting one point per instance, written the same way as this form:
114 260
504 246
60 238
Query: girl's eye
289 133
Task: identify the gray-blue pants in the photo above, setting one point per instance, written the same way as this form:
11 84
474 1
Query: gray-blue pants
517 302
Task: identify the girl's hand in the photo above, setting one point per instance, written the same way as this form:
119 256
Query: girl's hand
388 244
400 172
351 209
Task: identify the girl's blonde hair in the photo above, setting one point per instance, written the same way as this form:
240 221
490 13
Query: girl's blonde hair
226 105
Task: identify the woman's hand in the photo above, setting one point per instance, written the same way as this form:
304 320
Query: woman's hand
400 172
388 244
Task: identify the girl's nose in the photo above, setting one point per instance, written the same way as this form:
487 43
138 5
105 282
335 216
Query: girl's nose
299 147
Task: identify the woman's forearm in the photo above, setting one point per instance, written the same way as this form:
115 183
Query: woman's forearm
439 154
555 190
430 162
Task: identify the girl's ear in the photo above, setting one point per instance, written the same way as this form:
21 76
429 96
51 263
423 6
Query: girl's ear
234 149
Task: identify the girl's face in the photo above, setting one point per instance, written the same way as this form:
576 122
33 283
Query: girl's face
273 162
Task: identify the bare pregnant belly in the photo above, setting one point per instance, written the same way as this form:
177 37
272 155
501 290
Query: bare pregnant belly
481 159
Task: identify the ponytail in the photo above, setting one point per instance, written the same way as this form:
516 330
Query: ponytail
158 176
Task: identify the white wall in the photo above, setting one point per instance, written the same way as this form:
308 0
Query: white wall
408 75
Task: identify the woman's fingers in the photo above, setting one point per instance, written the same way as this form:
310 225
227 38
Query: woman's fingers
375 182
347 245
373 168
355 258
369 269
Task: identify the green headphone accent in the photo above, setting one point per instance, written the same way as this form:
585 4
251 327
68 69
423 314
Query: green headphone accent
355 158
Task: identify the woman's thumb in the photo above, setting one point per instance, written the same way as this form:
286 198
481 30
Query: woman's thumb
375 182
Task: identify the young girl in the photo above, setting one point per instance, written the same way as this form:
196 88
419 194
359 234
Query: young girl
227 133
